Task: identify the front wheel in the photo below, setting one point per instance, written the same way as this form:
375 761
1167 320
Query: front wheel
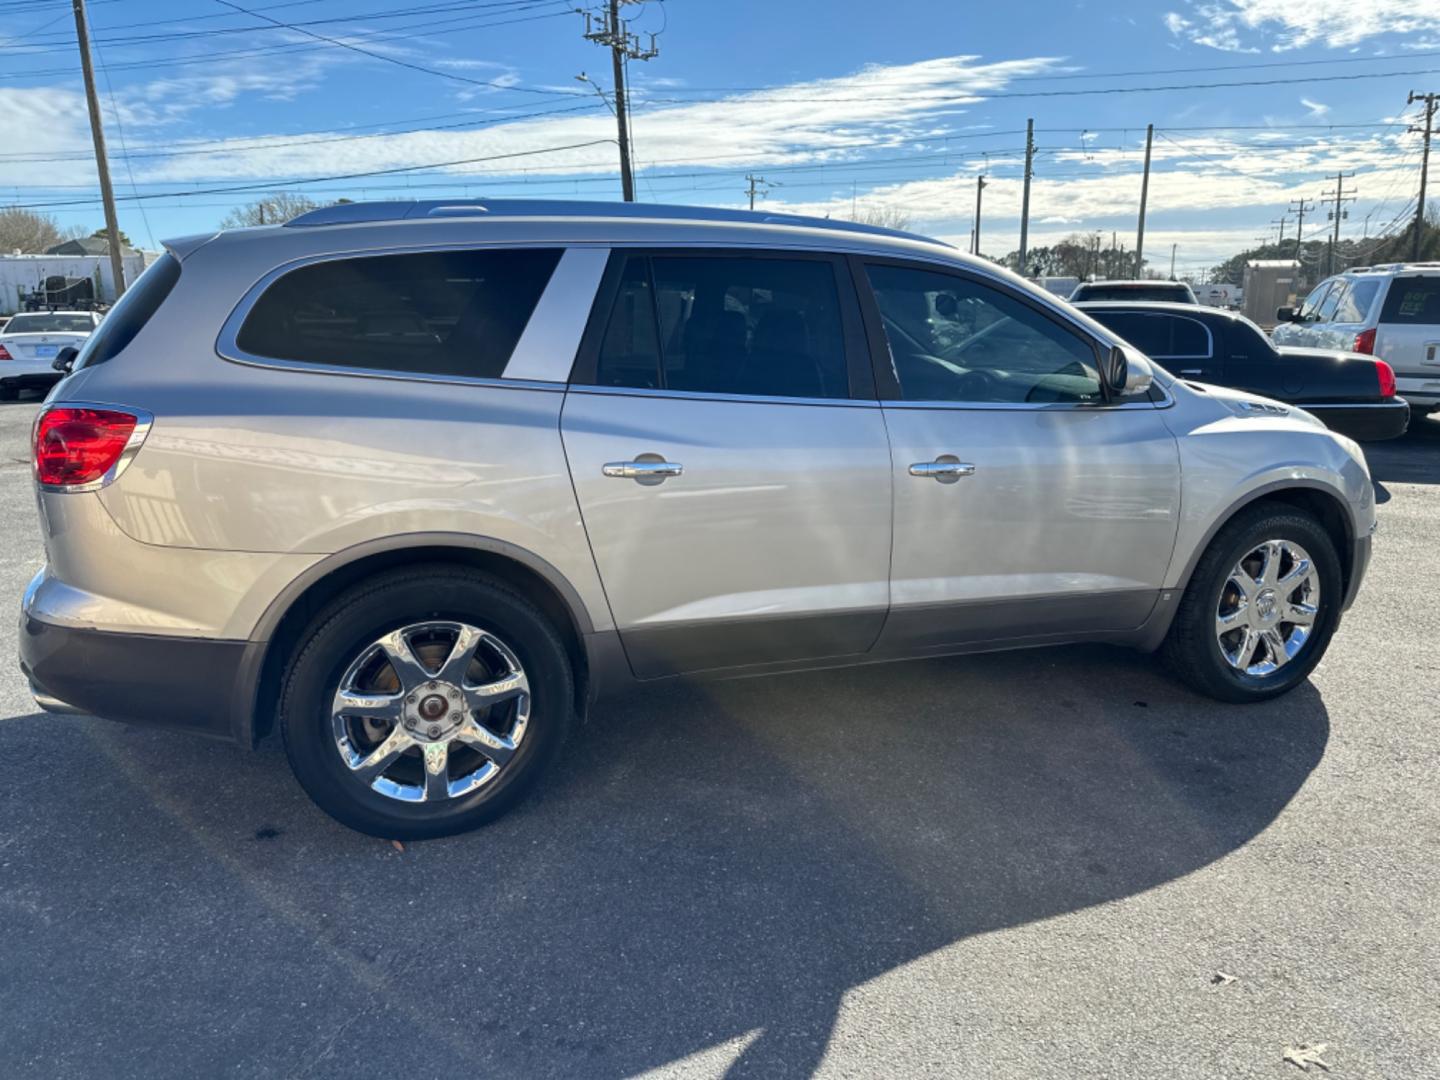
423 703
1260 608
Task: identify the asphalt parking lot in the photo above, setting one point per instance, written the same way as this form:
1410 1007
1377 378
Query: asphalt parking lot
1047 864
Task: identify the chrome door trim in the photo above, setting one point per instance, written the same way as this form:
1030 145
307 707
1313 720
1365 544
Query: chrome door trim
753 399
547 346
1026 406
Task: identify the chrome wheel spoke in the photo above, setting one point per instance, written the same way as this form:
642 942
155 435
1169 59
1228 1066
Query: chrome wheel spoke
407 667
383 756
1297 575
374 706
437 771
467 640
496 748
1270 567
496 691
1301 614
1246 585
1275 645
1226 622
1246 653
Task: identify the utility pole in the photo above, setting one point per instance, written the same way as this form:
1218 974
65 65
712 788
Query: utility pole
97 133
1428 129
758 185
1340 197
609 29
979 190
1144 194
1281 220
1025 199
1172 262
1300 212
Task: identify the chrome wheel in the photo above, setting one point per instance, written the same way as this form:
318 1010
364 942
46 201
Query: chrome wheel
1267 607
431 711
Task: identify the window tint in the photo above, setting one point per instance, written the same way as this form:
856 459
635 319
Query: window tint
436 312
953 339
1412 300
1355 304
1159 336
1331 302
131 312
1171 292
1247 341
727 325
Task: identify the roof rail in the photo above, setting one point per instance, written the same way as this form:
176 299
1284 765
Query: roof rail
356 212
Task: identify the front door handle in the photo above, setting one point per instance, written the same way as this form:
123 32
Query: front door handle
653 470
946 468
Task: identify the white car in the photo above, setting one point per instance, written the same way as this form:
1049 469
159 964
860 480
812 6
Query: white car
32 340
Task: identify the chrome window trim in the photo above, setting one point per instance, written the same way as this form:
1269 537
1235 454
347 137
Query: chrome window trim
144 420
751 399
227 345
1028 406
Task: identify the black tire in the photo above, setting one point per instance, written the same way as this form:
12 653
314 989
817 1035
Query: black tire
1191 649
378 606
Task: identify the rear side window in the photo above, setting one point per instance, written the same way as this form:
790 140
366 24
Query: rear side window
1162 337
1414 300
1331 303
457 313
767 327
131 312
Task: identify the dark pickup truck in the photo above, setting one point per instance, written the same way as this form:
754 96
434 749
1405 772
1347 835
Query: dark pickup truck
1350 392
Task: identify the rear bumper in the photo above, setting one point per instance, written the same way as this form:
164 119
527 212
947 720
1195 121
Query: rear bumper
25 380
161 681
1365 422
1422 391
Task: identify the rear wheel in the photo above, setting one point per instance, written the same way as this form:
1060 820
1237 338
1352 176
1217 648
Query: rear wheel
424 703
1260 608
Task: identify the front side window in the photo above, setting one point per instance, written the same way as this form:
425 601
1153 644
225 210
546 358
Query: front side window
954 339
456 313
1313 301
718 324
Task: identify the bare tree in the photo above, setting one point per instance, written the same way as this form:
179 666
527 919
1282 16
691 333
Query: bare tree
274 209
26 231
887 217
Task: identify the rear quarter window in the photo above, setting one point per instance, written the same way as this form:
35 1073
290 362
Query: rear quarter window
455 313
130 313
1412 301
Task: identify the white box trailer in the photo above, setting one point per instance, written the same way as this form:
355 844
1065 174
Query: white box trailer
20 275
1269 284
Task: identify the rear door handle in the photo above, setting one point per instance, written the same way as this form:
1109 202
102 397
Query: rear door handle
642 470
944 468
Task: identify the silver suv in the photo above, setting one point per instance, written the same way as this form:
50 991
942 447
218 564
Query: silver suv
414 483
1390 311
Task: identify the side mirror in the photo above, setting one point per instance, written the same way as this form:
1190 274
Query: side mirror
1286 314
65 359
1127 373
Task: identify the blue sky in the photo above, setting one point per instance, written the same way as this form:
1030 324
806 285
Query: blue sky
839 105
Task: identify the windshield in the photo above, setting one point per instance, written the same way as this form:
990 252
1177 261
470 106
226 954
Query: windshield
51 322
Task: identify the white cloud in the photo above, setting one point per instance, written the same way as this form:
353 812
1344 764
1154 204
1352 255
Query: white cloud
1234 25
1316 108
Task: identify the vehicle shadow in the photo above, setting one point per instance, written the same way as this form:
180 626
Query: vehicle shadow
1414 458
708 863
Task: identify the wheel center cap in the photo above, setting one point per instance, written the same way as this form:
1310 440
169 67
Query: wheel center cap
435 711
1265 605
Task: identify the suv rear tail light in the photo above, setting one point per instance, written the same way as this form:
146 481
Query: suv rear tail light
1386 374
79 448
1365 342
5 353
